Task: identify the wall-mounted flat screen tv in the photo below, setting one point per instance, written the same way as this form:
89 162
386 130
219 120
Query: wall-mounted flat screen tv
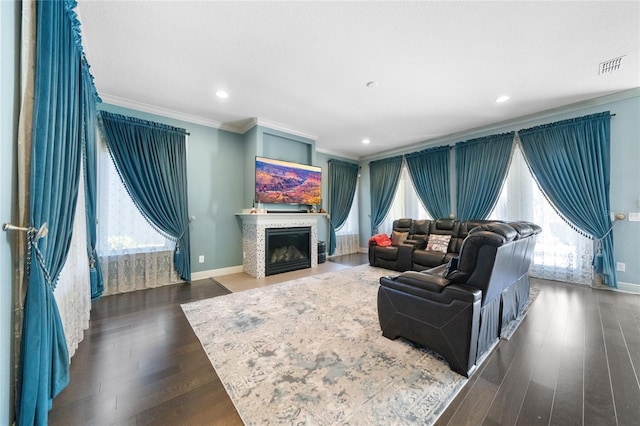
283 182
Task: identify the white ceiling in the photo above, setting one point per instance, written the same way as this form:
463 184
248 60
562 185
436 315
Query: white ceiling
304 66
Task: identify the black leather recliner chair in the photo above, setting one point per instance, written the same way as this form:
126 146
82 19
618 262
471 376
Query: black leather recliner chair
397 256
460 310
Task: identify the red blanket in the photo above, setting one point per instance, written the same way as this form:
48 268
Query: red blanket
381 240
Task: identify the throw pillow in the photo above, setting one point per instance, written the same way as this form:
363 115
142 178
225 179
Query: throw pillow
438 242
398 238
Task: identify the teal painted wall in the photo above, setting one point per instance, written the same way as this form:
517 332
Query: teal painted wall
215 162
286 148
625 173
9 92
251 151
265 142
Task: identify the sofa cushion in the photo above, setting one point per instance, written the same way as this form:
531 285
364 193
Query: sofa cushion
438 242
423 259
398 238
387 253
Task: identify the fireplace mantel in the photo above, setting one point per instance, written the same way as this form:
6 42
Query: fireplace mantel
253 236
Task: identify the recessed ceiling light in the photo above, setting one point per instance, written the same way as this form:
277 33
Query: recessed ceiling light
366 141
372 84
222 94
502 99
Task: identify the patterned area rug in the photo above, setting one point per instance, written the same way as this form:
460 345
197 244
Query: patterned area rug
310 351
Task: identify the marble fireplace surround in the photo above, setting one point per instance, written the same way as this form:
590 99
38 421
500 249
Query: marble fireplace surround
253 236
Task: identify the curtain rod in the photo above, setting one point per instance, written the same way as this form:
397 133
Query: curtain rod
9 227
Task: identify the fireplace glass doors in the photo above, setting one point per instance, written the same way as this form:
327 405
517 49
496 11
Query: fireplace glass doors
287 249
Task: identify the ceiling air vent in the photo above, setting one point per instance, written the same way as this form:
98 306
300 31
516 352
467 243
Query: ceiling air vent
610 66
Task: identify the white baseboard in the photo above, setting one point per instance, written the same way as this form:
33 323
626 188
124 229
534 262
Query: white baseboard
363 250
215 272
628 287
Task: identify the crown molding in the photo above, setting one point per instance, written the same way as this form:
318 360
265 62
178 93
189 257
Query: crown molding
169 113
337 154
166 112
281 127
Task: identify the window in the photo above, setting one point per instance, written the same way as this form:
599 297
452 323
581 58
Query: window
405 204
347 236
121 227
133 255
352 225
561 253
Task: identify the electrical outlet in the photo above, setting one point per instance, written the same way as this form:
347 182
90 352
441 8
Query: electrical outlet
621 267
634 217
201 259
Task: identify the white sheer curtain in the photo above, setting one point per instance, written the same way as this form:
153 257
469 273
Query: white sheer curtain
405 204
561 254
133 255
73 290
347 239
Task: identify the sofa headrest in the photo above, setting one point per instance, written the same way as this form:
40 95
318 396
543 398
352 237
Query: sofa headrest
402 225
445 224
502 229
421 227
480 237
522 228
536 229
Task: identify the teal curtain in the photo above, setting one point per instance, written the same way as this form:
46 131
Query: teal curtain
384 176
429 171
89 138
343 179
570 161
481 168
54 179
151 159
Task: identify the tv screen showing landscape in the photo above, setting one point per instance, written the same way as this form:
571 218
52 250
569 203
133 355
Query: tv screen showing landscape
283 182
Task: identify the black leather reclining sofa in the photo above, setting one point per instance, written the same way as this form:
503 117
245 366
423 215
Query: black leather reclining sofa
411 250
460 308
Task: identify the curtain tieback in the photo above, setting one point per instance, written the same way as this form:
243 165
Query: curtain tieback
181 235
33 235
598 259
599 247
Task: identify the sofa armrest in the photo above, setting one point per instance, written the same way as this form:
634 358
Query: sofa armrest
423 281
405 252
437 270
432 287
418 244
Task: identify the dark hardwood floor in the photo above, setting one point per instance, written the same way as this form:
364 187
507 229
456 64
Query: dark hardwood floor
574 360
141 363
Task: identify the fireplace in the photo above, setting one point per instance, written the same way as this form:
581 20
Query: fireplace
254 238
287 249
